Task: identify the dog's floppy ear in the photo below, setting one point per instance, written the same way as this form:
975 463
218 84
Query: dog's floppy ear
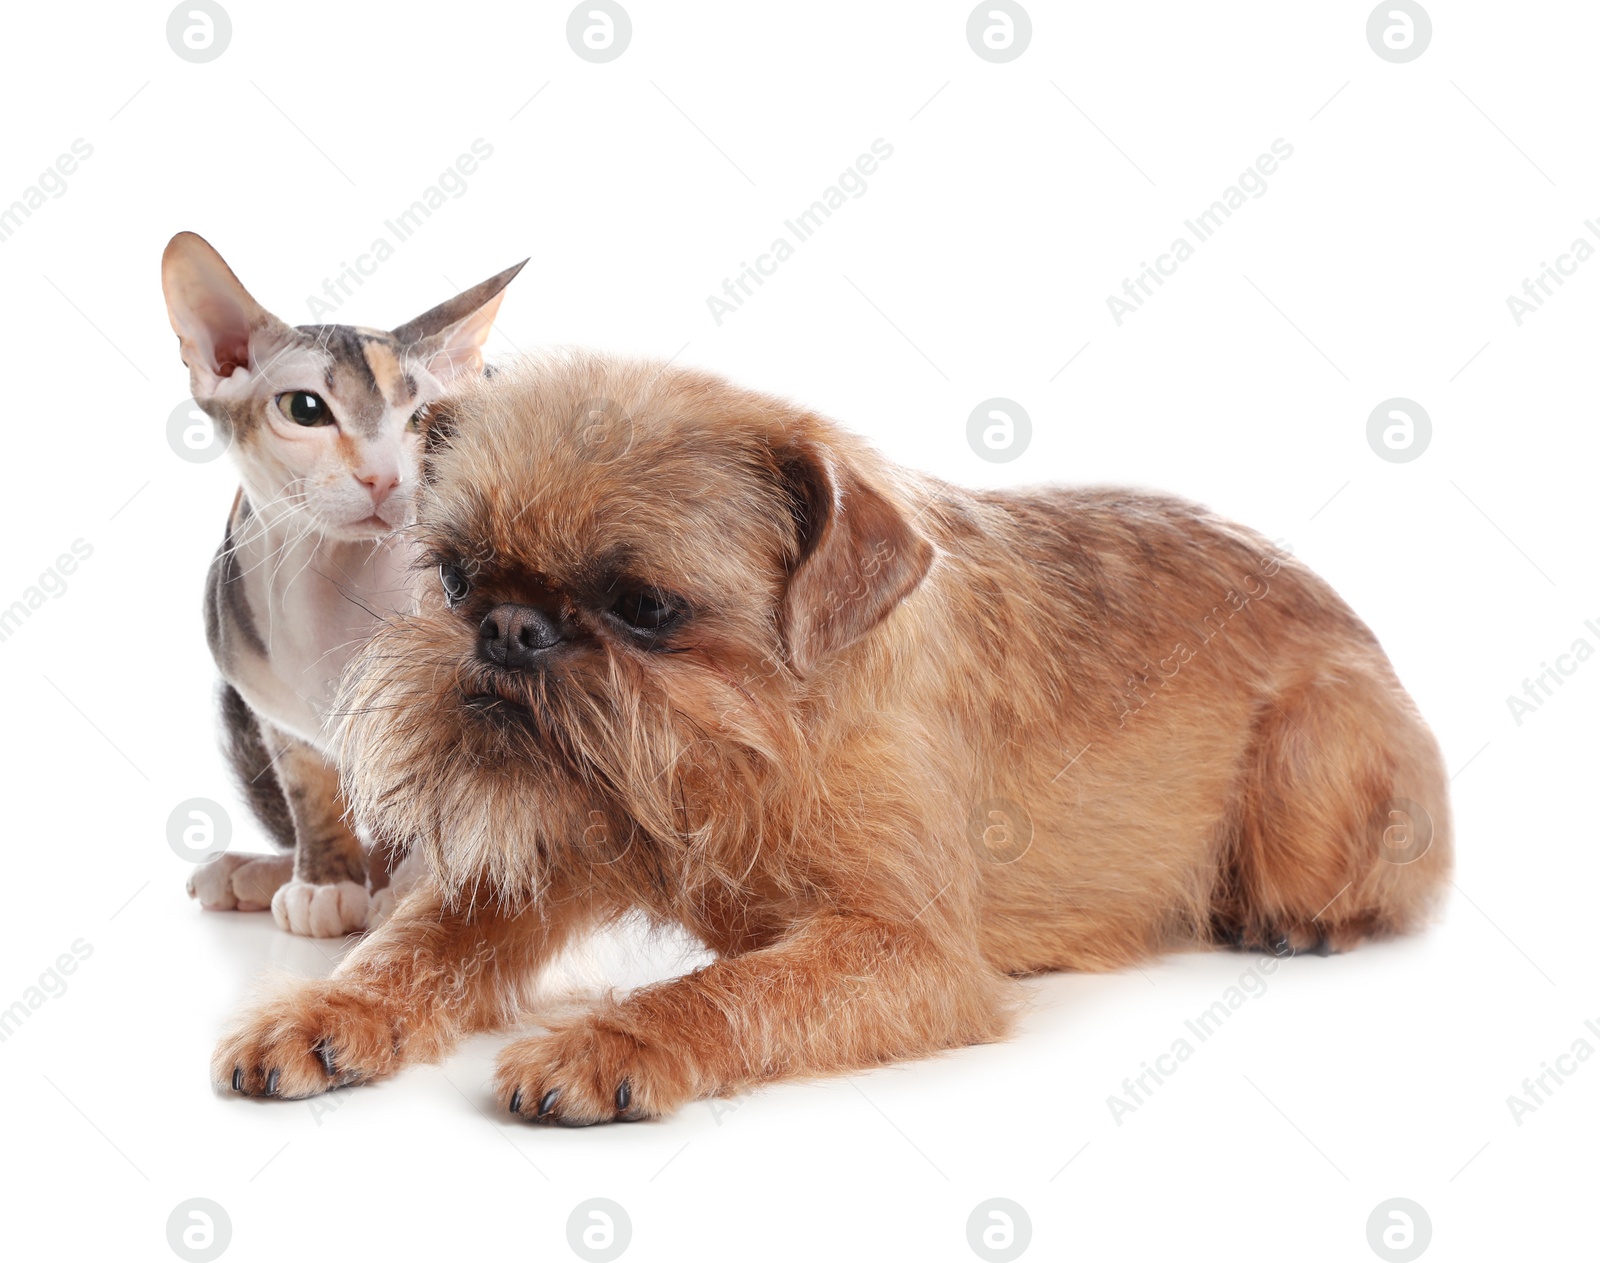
857 556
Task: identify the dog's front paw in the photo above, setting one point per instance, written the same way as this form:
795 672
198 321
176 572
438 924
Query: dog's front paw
589 1072
301 907
318 1036
236 881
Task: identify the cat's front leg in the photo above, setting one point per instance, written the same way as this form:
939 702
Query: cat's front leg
327 896
236 880
240 882
393 872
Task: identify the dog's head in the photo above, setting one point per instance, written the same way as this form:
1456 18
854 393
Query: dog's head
637 578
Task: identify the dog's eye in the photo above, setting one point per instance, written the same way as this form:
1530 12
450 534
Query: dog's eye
304 408
454 583
647 609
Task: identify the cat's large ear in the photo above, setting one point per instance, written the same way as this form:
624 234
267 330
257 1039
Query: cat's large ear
449 339
857 556
220 327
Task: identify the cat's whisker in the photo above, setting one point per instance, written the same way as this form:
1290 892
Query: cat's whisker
256 527
353 641
311 553
279 635
263 519
277 558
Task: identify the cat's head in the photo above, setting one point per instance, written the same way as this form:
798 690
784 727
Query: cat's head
322 418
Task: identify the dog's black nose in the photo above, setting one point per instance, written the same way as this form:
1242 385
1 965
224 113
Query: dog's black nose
517 637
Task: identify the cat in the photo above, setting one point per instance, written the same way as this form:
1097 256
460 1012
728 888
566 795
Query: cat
322 422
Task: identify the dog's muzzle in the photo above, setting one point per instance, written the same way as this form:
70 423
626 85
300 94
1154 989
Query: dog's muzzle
518 637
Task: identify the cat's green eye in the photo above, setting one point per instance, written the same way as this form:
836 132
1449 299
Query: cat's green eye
414 425
304 408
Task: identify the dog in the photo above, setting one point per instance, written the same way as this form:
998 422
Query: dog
883 744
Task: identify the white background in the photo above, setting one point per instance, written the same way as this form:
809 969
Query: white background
977 265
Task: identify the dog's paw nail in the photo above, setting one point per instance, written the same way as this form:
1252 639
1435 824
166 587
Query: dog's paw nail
624 1095
272 1083
1321 948
516 1101
238 1078
548 1101
325 1056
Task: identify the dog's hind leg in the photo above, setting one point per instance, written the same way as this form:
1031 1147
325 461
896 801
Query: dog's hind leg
1340 829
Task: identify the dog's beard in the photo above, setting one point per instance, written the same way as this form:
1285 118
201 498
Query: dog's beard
497 779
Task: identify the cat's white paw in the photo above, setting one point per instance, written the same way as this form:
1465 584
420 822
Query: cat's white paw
301 907
239 882
401 882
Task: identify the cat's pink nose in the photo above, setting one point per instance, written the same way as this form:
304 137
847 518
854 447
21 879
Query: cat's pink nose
381 484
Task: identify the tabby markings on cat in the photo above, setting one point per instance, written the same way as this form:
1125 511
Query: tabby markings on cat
322 421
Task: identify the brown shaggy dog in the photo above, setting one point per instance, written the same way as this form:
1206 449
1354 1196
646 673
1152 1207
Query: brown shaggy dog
880 742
